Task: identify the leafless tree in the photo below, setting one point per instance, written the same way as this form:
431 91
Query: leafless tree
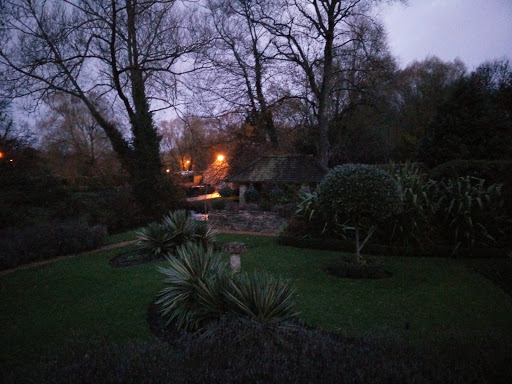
243 77
130 51
69 132
320 38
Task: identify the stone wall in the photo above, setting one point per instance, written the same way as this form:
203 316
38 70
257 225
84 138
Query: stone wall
249 221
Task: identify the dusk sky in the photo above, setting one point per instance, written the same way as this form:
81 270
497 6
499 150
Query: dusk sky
473 30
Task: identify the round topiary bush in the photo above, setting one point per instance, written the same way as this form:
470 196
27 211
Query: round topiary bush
360 195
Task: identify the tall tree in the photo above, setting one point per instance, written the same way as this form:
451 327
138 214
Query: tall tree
242 76
419 89
132 51
475 121
68 131
312 34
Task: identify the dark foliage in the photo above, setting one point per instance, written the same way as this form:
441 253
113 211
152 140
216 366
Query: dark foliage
387 250
471 124
234 351
47 240
492 171
226 192
252 196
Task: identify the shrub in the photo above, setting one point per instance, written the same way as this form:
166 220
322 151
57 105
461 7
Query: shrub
47 240
360 195
261 297
412 225
277 195
467 211
226 192
154 240
492 171
218 204
194 285
200 288
177 228
252 196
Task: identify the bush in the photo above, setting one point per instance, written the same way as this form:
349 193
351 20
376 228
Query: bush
219 204
468 212
277 195
194 284
492 171
177 228
412 226
360 195
226 192
154 240
387 250
234 351
48 240
200 288
261 297
252 196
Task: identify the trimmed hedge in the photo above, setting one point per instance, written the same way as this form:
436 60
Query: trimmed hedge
492 171
47 240
387 250
245 352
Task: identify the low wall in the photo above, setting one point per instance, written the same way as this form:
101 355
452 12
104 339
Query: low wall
255 221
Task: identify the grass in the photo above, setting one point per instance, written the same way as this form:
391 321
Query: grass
121 237
426 301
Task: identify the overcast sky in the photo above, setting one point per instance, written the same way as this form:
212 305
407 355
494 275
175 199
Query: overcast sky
472 30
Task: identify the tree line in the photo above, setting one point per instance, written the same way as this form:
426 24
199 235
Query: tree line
245 77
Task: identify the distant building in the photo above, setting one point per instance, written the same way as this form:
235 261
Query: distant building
279 169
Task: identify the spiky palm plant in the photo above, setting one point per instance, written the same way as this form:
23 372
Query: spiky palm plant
261 297
154 240
195 282
204 234
181 226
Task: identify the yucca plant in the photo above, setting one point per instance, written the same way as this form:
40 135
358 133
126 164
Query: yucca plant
154 240
204 234
181 226
413 223
307 206
470 211
261 297
195 283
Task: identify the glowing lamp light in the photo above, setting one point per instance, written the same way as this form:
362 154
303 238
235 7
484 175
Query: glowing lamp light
220 158
1 155
168 170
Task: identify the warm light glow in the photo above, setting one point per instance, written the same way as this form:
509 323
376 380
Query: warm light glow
220 158
168 170
188 161
1 155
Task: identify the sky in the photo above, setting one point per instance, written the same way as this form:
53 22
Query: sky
473 30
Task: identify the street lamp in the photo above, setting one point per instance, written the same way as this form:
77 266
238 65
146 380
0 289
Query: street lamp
220 158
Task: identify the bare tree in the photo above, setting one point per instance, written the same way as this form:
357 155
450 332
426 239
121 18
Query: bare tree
131 51
314 35
69 131
242 76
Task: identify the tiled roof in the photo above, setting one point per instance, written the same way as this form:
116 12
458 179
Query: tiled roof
296 169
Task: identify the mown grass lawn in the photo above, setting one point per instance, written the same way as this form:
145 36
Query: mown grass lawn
426 300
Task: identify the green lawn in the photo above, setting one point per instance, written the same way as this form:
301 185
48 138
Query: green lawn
427 300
